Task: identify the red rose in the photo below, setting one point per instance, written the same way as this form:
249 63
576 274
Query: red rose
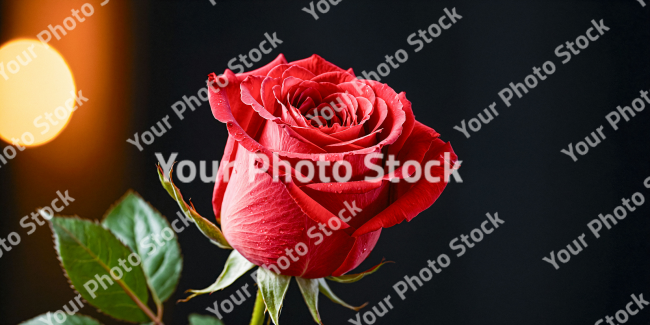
301 113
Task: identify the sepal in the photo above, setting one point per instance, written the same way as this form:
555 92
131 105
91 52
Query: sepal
235 267
208 228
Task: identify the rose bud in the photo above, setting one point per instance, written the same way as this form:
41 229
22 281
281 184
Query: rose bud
308 177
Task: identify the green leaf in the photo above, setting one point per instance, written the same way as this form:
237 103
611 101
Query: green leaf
70 320
236 266
196 319
309 289
141 227
88 252
273 287
208 228
325 289
351 278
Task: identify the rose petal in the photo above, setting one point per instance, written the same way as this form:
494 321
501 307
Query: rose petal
336 77
344 105
317 65
278 71
358 88
298 117
343 147
360 170
318 121
286 115
354 187
253 85
365 109
310 206
408 125
263 71
363 142
419 196
298 72
354 203
315 135
326 110
307 106
334 128
359 252
288 85
223 174
230 99
395 116
417 146
348 134
269 101
327 88
310 93
258 211
379 115
222 111
392 127
276 138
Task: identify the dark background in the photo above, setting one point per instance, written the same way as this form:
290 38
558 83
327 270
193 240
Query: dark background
512 166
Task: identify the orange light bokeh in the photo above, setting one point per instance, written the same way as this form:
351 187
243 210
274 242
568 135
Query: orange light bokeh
34 120
88 158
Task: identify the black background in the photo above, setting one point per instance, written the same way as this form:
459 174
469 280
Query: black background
512 166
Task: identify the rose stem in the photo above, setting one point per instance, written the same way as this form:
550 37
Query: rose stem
258 311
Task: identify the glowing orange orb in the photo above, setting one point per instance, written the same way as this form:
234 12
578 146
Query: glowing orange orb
36 93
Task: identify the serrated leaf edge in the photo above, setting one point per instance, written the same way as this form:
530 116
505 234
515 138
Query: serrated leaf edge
65 272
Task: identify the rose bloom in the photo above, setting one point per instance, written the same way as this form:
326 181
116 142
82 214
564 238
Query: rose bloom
311 110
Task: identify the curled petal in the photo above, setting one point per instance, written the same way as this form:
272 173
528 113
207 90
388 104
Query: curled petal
422 138
408 125
358 89
362 248
396 115
298 72
418 197
265 69
379 116
278 70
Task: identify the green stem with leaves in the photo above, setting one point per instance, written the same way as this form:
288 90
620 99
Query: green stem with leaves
259 310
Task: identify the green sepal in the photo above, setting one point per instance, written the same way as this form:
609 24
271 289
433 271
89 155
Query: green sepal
309 290
273 288
206 227
325 289
352 278
235 267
